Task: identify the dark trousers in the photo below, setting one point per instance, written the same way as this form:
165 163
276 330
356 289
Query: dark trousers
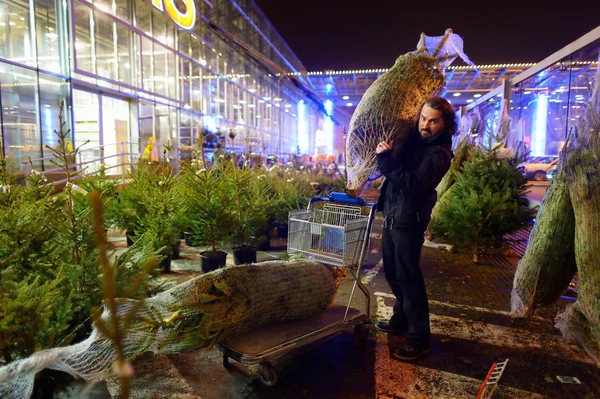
401 249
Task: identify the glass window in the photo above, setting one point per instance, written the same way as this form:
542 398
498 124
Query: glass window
200 100
115 131
159 25
124 58
86 115
172 74
104 5
186 135
15 39
184 41
143 16
171 34
123 10
53 91
185 81
582 75
47 35
83 38
165 125
106 58
147 64
20 115
160 70
146 121
202 53
542 110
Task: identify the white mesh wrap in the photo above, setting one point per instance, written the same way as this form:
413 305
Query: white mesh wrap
206 309
388 107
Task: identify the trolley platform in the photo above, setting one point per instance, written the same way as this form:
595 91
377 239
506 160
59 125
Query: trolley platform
333 230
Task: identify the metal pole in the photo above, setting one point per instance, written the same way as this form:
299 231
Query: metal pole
123 162
279 113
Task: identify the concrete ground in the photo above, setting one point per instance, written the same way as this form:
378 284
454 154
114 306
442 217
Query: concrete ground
471 326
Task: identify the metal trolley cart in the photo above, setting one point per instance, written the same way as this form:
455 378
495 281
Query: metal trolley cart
333 230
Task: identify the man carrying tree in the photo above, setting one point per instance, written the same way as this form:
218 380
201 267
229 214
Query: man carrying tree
407 197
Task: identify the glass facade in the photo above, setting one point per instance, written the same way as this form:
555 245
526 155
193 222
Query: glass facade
547 106
544 107
127 72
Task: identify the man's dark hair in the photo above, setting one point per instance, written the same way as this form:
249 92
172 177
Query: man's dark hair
448 115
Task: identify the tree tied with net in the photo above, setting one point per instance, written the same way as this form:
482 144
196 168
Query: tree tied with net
387 109
566 238
196 314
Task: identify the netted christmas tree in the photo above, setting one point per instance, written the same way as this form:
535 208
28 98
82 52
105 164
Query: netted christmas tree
388 108
548 264
581 320
487 201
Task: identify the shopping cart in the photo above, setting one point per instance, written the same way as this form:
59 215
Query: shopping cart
333 230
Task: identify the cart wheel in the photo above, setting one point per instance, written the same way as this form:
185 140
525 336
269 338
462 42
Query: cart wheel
268 374
362 331
226 363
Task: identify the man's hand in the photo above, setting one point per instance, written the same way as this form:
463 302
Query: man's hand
383 146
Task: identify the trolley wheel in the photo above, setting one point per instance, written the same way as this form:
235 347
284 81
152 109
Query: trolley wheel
362 330
226 363
267 374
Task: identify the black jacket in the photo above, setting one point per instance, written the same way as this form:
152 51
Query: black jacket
408 193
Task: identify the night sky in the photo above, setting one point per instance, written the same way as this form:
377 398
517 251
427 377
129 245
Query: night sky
332 34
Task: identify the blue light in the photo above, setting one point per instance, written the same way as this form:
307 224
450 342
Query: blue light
48 127
328 107
302 128
210 123
328 133
538 136
328 88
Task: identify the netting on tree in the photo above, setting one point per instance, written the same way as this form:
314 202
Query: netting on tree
566 239
581 320
548 264
388 108
195 314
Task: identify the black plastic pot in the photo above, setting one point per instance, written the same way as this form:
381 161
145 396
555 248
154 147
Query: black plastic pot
282 231
244 254
176 253
188 238
129 235
210 260
165 264
265 245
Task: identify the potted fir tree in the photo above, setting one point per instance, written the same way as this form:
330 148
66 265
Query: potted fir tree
207 201
486 202
292 193
251 195
151 211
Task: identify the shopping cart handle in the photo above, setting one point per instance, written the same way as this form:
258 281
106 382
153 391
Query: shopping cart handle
340 198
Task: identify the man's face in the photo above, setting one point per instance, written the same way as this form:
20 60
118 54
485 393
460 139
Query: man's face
430 122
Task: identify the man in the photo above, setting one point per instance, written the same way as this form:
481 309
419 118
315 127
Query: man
217 156
407 198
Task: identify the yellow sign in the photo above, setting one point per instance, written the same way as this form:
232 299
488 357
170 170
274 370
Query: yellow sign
186 19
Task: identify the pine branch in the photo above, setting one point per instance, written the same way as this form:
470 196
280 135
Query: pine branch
66 161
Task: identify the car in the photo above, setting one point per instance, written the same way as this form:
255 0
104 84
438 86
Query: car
551 173
538 167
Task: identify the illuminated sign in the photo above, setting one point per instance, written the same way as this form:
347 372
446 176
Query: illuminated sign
186 19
